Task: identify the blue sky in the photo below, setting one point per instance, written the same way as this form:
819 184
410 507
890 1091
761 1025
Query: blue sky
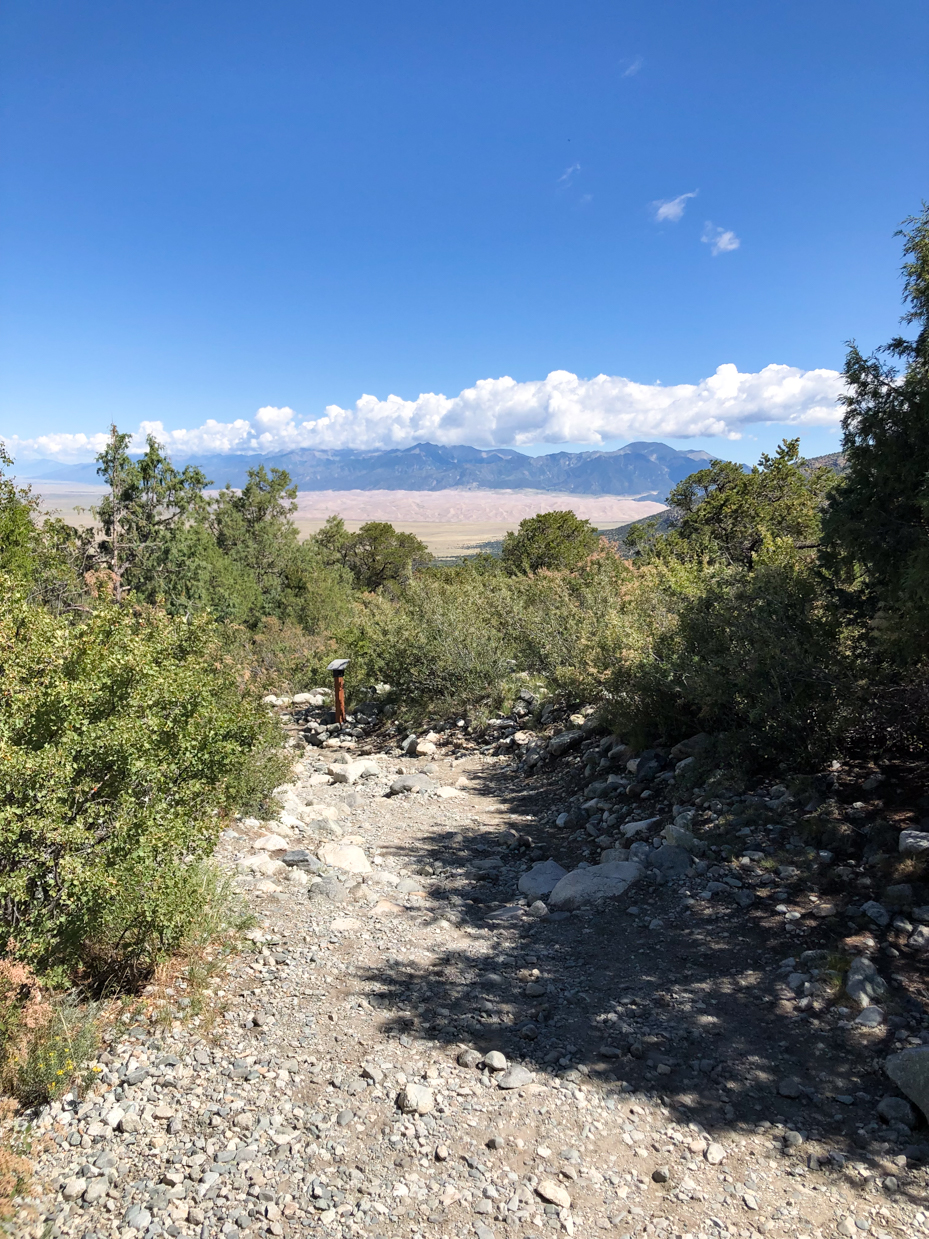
209 209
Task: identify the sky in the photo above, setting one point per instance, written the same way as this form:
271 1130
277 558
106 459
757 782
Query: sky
249 226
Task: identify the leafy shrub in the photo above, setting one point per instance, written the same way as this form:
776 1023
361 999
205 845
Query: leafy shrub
453 638
763 656
437 645
124 739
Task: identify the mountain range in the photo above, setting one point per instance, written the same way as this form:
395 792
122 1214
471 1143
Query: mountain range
643 470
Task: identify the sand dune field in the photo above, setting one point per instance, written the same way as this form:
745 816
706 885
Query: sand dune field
450 522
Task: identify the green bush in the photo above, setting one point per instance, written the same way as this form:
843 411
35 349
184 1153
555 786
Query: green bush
124 740
763 656
550 540
665 647
453 638
438 645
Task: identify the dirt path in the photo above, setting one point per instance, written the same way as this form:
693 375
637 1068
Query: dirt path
654 1079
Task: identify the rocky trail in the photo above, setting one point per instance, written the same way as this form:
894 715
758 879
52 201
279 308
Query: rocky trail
488 997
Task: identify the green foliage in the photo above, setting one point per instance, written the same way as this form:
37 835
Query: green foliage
877 529
236 555
150 503
553 540
282 657
124 738
41 554
728 513
762 657
18 531
440 644
375 556
453 638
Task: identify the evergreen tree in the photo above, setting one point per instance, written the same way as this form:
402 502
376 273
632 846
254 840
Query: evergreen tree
555 540
375 556
146 517
877 529
728 513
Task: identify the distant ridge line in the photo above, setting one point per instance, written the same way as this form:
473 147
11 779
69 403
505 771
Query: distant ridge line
641 469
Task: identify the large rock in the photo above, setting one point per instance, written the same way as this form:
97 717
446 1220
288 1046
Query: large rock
897 1110
864 982
270 843
300 858
909 1070
877 912
609 855
415 1099
324 828
261 863
541 879
554 1193
584 887
670 860
345 856
312 812
914 842
682 838
412 783
690 748
641 827
352 771
327 888
558 745
515 1077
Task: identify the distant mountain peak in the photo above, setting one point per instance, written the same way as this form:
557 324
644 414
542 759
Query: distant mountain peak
643 470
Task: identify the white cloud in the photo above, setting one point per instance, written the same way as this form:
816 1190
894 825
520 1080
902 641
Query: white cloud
632 69
568 175
561 408
672 208
720 240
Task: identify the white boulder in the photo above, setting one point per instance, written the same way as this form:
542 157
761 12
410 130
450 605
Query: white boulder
584 887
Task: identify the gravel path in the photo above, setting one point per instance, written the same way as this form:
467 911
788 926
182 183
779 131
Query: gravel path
407 1051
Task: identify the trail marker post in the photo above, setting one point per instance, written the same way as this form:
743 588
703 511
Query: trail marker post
337 667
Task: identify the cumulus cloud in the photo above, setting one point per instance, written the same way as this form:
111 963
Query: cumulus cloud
671 208
720 240
561 408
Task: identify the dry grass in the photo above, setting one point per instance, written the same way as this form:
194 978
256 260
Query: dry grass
15 1167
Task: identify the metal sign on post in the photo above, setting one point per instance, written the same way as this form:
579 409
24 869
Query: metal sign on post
337 667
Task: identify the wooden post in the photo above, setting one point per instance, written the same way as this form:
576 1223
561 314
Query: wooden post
337 667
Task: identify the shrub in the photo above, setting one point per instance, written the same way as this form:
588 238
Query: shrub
763 656
280 657
124 739
438 646
45 1040
550 540
452 640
